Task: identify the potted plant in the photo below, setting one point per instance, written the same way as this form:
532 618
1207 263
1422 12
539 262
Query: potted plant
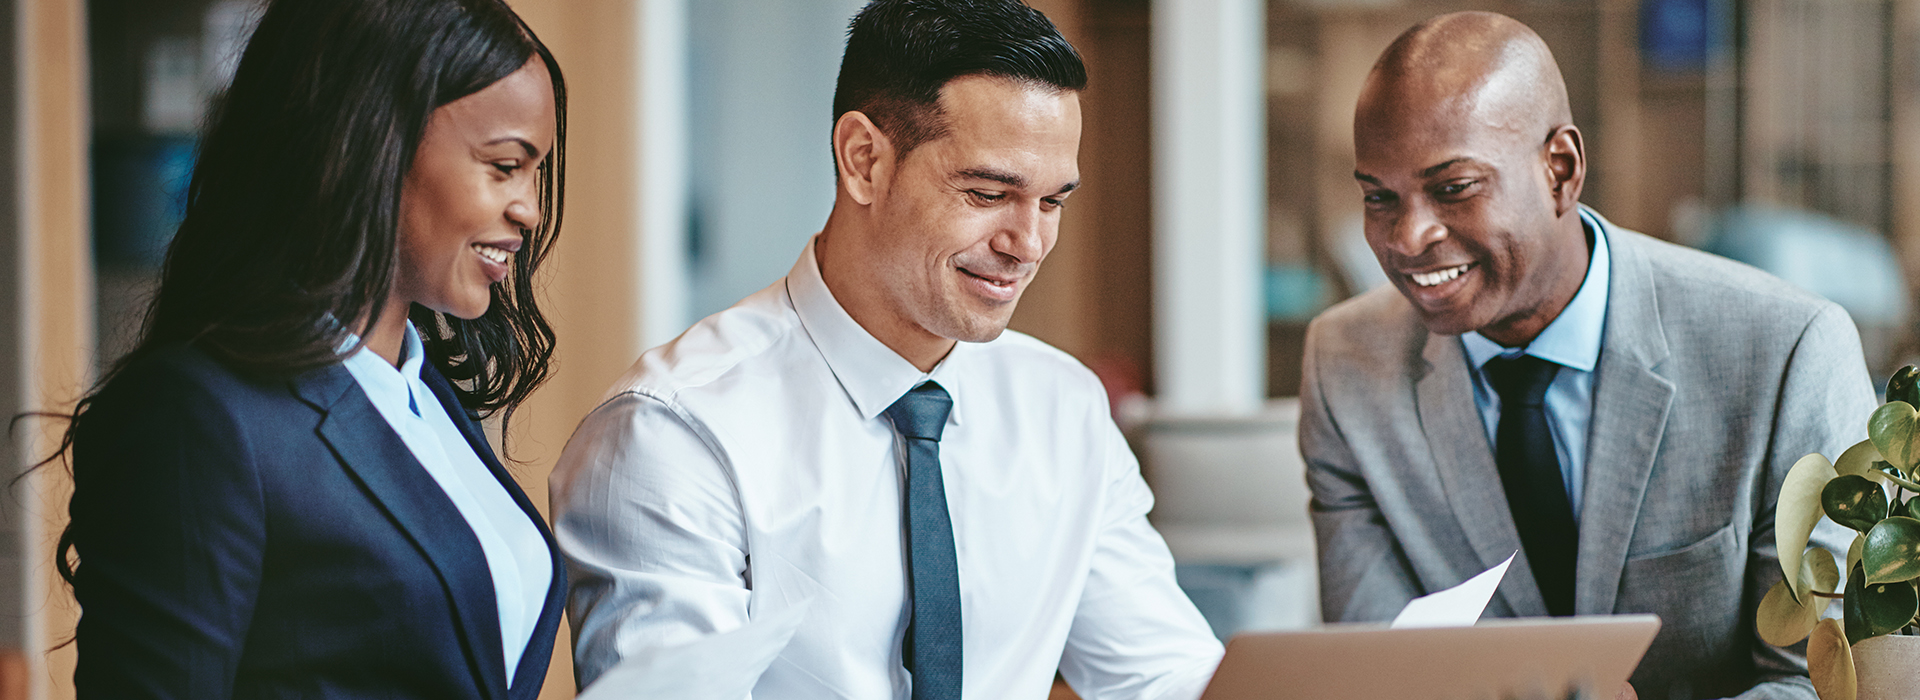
1870 489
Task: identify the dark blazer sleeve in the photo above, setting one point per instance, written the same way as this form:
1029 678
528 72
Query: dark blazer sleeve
170 529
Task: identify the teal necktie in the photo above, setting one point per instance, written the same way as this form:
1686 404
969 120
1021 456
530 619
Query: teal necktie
933 644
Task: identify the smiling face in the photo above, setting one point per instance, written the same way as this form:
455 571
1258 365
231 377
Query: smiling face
956 229
1471 201
472 190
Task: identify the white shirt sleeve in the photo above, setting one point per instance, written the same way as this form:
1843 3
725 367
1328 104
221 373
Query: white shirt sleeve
1135 634
650 523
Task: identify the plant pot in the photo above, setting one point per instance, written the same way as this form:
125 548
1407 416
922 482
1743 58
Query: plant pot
1888 667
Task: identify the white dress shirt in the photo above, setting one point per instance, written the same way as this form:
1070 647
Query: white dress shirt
517 555
1571 340
745 468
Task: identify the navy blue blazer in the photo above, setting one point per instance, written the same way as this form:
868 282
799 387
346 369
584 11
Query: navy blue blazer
256 538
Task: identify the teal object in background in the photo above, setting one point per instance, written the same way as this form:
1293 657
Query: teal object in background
139 196
1848 264
1294 292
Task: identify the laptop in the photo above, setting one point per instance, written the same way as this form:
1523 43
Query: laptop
1527 658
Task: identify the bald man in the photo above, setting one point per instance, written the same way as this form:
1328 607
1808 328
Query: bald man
1618 409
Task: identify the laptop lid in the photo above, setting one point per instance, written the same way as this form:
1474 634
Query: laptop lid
1539 657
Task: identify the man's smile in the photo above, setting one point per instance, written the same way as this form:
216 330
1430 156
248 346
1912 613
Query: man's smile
1435 277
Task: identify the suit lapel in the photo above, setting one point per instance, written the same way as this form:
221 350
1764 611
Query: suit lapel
1630 404
534 660
369 448
1457 439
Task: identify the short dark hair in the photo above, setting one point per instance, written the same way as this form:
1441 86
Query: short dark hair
901 52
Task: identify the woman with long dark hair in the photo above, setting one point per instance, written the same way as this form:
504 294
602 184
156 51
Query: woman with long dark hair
283 491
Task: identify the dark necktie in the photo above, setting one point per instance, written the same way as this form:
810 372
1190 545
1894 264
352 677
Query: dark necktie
1530 473
932 648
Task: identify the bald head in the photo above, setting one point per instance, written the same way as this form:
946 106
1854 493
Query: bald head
1470 168
1482 67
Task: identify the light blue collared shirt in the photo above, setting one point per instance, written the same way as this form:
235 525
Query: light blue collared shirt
1572 341
517 556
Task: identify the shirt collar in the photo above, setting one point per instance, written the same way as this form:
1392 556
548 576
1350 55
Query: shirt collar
873 375
382 382
1572 339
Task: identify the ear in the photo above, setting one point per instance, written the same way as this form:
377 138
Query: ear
863 154
1566 155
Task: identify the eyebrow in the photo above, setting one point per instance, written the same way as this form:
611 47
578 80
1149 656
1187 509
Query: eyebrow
1435 170
1013 180
524 145
1429 172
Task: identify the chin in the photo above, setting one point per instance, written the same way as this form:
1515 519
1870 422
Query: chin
1447 324
977 329
984 335
467 311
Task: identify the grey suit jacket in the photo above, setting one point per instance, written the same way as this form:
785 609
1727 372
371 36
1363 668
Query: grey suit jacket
1713 379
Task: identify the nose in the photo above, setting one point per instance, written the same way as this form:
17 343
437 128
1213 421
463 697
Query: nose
524 209
1414 230
1027 233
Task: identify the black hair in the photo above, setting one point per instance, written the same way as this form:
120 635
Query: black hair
292 212
900 53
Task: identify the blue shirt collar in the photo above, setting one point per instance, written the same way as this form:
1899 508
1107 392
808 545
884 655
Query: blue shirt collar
1572 339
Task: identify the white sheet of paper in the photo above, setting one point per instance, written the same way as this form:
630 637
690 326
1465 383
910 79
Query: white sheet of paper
1459 606
720 667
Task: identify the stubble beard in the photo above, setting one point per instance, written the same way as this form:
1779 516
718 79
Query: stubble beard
949 318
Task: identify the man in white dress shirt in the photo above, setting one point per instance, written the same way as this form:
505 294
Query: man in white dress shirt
951 501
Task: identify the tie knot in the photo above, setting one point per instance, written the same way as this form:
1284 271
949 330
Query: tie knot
1521 380
922 412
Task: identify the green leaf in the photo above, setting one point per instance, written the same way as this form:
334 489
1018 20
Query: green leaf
1904 385
1887 606
1854 501
1796 513
1892 429
1851 612
1820 574
1859 459
1783 621
1892 551
1830 662
1853 551
1893 476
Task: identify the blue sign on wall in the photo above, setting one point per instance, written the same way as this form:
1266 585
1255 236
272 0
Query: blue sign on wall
1675 35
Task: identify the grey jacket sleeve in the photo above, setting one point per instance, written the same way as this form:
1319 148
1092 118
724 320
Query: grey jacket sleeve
1364 576
1825 398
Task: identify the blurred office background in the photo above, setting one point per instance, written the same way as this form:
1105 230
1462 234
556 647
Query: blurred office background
1218 214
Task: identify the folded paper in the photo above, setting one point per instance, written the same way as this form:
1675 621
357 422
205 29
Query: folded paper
1459 606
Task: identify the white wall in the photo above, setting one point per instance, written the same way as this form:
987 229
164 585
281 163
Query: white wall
761 88
1209 205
